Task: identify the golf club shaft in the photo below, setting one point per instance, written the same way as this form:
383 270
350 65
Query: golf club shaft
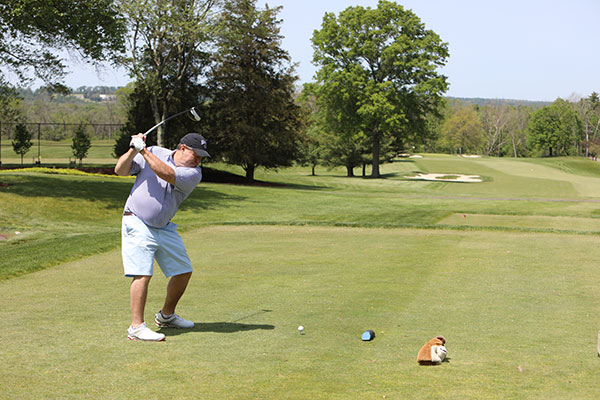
165 120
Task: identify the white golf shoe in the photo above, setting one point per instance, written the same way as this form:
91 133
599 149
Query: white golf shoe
173 321
142 332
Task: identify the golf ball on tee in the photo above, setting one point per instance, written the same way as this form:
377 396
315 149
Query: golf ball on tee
300 329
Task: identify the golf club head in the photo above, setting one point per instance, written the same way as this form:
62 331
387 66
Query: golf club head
193 114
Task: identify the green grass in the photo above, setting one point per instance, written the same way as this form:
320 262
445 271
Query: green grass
57 152
46 209
524 222
513 286
503 300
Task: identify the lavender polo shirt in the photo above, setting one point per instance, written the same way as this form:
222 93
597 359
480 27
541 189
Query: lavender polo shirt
154 200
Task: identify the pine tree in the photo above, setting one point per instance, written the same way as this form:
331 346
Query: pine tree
254 117
81 143
22 140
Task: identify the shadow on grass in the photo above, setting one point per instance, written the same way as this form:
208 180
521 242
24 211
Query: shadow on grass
386 176
111 191
304 187
217 327
389 175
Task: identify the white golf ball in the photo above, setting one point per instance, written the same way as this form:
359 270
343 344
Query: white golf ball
300 329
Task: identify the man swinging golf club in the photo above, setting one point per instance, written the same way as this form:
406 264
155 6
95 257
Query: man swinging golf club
164 178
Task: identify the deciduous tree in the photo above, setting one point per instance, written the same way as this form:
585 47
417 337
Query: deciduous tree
336 124
554 128
167 47
519 117
496 121
311 148
463 132
588 110
381 65
32 30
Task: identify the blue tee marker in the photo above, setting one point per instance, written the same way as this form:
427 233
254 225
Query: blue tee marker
368 336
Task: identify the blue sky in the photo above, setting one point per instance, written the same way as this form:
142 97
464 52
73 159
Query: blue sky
527 49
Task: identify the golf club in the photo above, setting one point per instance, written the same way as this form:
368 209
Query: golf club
192 114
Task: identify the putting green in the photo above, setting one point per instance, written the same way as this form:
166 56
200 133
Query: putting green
519 311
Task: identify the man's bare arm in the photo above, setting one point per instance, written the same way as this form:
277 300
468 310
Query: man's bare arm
161 169
124 163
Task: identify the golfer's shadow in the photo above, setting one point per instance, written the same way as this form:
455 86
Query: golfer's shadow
218 327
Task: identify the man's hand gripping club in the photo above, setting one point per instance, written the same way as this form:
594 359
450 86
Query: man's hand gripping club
138 142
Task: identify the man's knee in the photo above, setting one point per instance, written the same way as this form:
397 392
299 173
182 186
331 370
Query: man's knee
185 275
141 279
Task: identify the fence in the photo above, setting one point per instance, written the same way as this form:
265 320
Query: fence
52 140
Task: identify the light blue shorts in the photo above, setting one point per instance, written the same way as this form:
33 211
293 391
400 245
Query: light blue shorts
142 244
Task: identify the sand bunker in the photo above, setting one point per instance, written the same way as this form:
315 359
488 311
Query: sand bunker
446 177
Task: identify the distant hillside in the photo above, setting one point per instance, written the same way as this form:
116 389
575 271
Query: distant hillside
79 95
486 102
107 93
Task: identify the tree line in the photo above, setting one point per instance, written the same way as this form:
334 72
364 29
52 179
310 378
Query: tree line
92 93
377 91
564 127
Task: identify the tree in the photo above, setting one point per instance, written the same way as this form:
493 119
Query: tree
22 140
588 111
167 48
253 115
10 104
81 143
432 128
336 122
463 132
594 148
517 132
311 148
139 117
554 128
31 29
311 153
382 63
496 121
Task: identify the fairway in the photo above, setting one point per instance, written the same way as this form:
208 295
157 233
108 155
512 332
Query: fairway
518 310
505 269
